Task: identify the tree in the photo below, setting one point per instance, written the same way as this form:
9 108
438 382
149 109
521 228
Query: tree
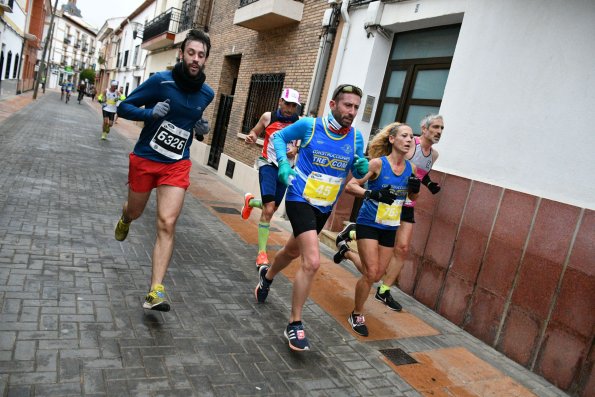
89 75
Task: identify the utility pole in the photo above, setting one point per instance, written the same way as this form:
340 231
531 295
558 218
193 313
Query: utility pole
49 64
45 49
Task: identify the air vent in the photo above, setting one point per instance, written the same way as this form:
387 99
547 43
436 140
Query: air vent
398 356
226 210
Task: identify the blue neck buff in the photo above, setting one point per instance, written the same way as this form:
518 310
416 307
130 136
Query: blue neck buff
335 127
291 119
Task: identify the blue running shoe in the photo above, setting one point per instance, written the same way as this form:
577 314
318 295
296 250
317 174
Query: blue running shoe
296 336
262 289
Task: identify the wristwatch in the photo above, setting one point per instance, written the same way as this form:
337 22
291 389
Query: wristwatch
367 195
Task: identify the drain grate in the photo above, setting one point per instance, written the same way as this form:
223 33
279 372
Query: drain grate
398 356
227 210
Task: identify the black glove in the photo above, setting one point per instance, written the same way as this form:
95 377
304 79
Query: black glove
385 195
413 184
433 187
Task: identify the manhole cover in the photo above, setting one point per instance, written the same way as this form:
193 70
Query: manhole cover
226 210
398 356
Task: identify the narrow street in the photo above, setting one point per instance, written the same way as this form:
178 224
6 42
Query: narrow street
71 321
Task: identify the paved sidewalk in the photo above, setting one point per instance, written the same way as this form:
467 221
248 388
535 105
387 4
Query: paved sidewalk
71 321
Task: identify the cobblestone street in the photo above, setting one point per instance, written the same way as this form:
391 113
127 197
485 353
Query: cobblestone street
71 321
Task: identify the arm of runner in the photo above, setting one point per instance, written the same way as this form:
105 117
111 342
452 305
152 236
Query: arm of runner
147 95
354 186
359 152
301 129
256 132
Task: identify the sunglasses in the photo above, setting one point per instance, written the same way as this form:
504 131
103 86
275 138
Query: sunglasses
348 89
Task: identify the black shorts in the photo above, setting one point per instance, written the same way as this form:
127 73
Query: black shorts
304 217
407 215
109 115
385 237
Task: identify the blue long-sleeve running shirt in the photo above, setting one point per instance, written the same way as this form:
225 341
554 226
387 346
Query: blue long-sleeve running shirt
165 139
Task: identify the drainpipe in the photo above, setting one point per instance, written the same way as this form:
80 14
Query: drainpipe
342 43
322 59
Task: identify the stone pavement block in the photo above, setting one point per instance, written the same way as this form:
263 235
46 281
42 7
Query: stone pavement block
24 350
33 378
19 390
59 390
116 388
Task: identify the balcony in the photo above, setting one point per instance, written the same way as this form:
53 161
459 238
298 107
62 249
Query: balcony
67 40
7 5
161 31
77 44
263 15
85 48
195 15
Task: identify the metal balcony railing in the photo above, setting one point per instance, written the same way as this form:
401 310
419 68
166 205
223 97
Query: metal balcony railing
168 22
244 3
67 40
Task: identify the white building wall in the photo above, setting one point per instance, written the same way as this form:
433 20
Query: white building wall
12 30
133 73
518 91
158 62
517 97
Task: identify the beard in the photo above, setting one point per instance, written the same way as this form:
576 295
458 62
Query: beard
187 71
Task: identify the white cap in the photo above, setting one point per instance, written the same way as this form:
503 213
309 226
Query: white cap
114 82
290 95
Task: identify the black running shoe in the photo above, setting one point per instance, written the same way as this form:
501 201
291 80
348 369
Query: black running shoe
388 300
262 289
296 336
340 255
343 235
358 323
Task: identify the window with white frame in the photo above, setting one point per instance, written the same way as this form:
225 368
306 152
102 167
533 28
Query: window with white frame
416 76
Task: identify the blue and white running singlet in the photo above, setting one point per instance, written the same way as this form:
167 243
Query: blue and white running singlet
322 167
381 215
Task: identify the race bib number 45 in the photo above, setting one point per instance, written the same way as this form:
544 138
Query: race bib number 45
170 140
322 189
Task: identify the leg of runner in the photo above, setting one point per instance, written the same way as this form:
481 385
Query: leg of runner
400 254
170 200
263 232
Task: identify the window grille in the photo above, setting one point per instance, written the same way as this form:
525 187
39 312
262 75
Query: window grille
263 96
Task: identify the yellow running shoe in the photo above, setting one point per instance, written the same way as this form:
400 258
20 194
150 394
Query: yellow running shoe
104 136
121 230
155 299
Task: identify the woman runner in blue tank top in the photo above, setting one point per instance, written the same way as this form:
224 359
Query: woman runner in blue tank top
391 179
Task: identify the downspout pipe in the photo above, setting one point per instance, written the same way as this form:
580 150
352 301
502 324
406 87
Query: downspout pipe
322 59
342 44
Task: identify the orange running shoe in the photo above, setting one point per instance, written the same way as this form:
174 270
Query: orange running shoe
246 209
262 259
